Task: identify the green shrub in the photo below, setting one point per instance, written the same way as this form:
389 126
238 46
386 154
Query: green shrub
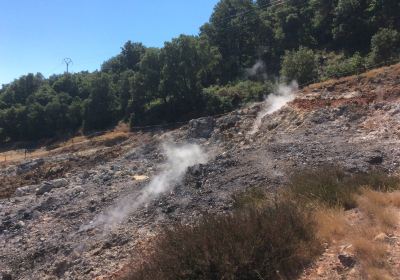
300 65
334 187
252 197
385 45
338 66
274 242
220 99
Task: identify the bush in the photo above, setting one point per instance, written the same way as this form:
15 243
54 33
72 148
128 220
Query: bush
252 197
274 242
220 99
300 65
338 66
385 45
333 187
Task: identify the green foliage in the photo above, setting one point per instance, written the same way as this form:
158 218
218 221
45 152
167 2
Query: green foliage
100 108
385 45
273 242
236 37
220 99
338 66
299 65
192 76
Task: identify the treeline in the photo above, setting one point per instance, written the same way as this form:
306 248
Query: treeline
235 59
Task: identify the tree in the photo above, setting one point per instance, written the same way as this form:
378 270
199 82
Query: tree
299 65
67 83
188 65
19 90
385 45
351 30
101 106
234 29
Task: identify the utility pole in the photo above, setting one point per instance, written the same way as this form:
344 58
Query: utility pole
67 62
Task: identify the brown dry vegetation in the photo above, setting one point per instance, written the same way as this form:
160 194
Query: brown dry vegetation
274 242
92 151
276 238
367 236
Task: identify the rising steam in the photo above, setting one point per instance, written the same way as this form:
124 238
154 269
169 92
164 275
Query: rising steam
274 102
258 70
179 158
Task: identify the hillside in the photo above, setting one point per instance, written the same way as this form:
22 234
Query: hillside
85 209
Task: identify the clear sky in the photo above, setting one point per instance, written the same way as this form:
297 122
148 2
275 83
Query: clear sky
35 35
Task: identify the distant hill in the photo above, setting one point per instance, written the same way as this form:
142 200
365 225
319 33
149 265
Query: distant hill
235 59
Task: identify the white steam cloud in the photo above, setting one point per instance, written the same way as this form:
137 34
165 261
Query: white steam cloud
257 70
274 102
179 158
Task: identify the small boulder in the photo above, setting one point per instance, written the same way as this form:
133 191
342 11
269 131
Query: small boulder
25 190
347 260
201 128
6 276
375 158
48 186
28 166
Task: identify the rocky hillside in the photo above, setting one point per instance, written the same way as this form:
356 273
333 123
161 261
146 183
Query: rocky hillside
60 213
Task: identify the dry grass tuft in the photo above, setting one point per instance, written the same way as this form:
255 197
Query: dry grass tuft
378 274
335 188
331 224
371 254
380 207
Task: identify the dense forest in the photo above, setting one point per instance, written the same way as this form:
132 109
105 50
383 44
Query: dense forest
236 58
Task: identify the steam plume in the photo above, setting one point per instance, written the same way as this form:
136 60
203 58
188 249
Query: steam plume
257 70
179 158
274 102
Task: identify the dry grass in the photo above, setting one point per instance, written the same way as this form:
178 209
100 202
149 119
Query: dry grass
251 198
335 188
275 237
331 224
274 242
377 200
371 254
368 238
380 207
108 139
378 274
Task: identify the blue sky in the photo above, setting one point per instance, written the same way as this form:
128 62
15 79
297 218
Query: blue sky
35 35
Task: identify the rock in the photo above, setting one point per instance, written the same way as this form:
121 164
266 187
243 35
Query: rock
25 190
74 191
6 276
59 183
28 166
48 186
228 121
375 159
347 260
44 188
201 128
48 204
60 268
